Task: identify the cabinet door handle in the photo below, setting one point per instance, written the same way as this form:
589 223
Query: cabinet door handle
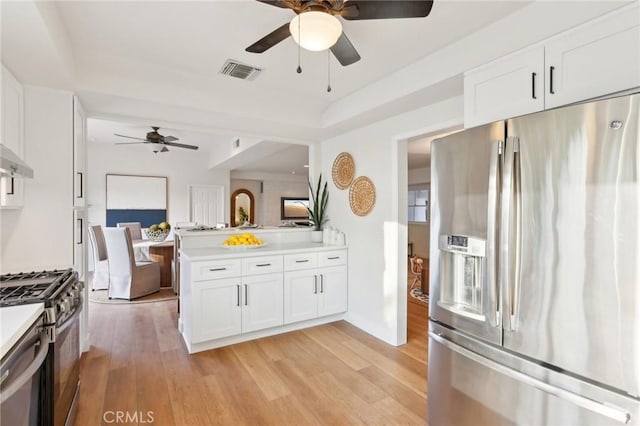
533 85
217 269
263 264
81 189
12 188
79 220
551 70
315 284
333 257
238 287
246 295
302 261
321 283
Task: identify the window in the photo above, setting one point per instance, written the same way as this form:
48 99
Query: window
418 204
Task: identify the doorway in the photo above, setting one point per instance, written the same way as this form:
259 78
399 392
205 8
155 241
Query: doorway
418 235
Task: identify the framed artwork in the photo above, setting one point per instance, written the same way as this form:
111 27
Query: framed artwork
133 198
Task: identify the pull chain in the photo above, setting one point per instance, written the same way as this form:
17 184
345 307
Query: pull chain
299 69
328 70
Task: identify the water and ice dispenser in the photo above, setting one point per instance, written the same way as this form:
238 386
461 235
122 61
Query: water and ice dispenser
462 265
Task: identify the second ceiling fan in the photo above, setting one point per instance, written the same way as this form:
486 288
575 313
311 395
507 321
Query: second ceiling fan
320 15
158 141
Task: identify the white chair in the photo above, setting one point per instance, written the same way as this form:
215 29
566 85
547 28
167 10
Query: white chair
128 279
100 278
416 270
134 227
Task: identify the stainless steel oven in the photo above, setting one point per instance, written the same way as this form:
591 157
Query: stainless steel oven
61 293
21 379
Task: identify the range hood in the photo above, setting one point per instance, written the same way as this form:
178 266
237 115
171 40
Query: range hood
11 165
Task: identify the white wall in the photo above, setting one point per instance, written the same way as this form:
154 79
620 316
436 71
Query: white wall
377 299
418 176
40 235
182 168
273 190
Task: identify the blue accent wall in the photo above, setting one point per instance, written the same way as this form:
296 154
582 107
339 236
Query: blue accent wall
145 217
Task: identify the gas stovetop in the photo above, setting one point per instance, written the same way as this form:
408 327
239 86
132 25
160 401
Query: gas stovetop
35 287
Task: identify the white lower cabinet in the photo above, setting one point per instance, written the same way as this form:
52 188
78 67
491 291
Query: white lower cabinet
217 309
262 302
315 292
230 300
231 306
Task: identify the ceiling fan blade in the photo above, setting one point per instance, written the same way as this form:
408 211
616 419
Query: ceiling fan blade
181 145
388 9
130 137
344 51
270 39
169 138
285 4
164 149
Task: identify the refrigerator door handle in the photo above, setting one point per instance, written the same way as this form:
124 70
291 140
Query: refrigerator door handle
510 222
493 200
605 409
517 237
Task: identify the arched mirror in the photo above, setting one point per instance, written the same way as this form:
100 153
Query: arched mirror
242 207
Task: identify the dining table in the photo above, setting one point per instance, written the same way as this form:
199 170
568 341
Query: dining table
154 251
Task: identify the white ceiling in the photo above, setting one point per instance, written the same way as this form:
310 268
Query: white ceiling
157 62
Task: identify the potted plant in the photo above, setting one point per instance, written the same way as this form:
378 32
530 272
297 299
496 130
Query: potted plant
318 212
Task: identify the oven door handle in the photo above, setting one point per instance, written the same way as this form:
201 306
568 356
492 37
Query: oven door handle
27 374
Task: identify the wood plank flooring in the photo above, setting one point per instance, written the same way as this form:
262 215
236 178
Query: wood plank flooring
331 374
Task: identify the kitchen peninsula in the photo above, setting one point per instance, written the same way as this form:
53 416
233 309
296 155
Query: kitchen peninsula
229 295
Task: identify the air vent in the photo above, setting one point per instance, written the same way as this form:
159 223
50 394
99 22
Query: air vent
238 70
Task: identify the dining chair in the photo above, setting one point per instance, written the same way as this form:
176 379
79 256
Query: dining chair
100 278
134 227
128 279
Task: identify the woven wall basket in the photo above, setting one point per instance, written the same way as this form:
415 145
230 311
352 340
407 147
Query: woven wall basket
343 171
362 196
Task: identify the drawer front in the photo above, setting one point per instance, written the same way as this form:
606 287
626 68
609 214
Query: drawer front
215 269
296 262
261 265
332 258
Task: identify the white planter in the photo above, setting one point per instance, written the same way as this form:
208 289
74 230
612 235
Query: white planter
316 236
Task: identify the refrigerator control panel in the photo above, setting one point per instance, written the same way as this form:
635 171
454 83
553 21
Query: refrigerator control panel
463 244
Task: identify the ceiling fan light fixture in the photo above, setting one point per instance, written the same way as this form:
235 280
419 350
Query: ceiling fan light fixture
315 31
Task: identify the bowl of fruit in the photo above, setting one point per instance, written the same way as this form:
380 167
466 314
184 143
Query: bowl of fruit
243 241
158 232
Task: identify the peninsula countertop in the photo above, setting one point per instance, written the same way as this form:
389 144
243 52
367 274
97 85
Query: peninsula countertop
186 232
211 253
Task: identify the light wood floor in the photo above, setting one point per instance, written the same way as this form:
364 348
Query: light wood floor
331 374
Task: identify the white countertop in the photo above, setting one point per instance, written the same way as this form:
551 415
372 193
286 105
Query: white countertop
210 253
14 322
232 231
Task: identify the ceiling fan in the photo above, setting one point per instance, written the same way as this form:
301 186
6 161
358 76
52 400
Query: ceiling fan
159 142
322 30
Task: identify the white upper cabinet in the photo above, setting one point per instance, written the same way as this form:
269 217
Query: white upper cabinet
507 88
601 58
79 155
595 59
12 133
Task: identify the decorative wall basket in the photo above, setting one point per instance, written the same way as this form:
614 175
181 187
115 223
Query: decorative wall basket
362 196
343 171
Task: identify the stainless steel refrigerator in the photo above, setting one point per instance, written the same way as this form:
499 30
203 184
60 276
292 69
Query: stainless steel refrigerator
535 263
